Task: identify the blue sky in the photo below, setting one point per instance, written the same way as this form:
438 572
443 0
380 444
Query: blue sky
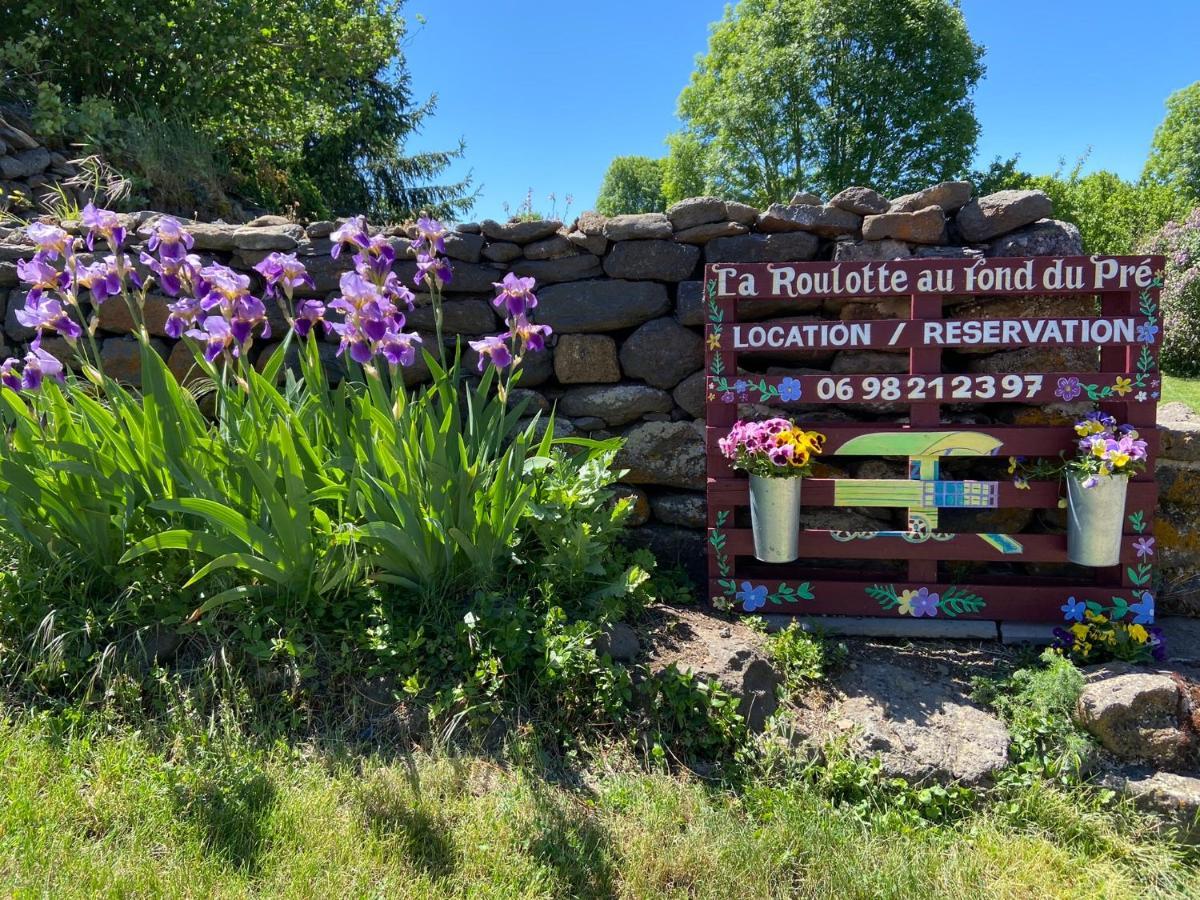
546 93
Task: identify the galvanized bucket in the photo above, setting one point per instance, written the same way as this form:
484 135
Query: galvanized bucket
1095 520
775 515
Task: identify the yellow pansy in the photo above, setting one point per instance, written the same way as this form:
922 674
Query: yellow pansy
1079 630
1139 633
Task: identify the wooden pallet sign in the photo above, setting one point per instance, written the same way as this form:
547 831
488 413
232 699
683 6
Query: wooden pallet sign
924 569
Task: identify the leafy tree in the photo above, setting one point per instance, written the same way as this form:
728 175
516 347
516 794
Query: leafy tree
1175 151
821 94
685 168
307 101
632 184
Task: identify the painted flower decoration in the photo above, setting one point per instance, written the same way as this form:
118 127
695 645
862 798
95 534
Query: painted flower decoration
713 342
752 597
1144 547
1068 388
906 602
1147 332
1143 609
1122 386
789 390
1073 610
925 603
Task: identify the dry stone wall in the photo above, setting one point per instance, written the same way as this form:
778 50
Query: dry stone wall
624 297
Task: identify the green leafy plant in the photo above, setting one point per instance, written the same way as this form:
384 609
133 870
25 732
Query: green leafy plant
802 656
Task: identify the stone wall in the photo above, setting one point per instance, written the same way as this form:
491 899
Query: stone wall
624 298
29 172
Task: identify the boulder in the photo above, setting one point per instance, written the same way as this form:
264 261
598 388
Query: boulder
501 251
468 228
122 358
267 237
469 278
553 247
616 404
686 508
519 232
861 200
619 641
637 226
24 164
1135 714
783 247
13 328
864 251
942 252
15 137
826 221
702 234
804 198
536 401
212 236
639 512
470 316
592 243
465 247
591 223
696 211
320 229
1037 359
690 308
653 260
868 362
689 394
926 226
948 195
114 315
1179 429
989 217
586 359
662 352
742 213
601 305
923 729
553 271
712 649
8 274
269 219
1174 798
1045 237
666 453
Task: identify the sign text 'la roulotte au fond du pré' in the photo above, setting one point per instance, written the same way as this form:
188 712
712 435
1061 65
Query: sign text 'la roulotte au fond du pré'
776 281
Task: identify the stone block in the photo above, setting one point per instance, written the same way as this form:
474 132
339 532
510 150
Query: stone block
601 305
662 353
989 217
586 359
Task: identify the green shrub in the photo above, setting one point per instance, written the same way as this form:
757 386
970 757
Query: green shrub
803 657
1180 243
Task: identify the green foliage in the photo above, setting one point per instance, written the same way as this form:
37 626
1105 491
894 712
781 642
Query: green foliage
803 657
304 101
1113 215
632 184
1179 241
820 94
1175 151
689 718
1037 703
684 168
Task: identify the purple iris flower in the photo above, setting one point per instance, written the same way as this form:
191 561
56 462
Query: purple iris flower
515 295
8 375
431 236
399 349
531 337
47 314
308 313
40 276
217 335
283 270
40 365
492 348
172 272
168 237
51 240
433 269
182 314
248 312
101 278
102 223
395 291
222 284
353 232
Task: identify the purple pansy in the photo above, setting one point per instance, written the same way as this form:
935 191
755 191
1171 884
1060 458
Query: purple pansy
752 596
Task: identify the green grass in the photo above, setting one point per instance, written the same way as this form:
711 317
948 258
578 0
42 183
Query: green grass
113 813
1181 390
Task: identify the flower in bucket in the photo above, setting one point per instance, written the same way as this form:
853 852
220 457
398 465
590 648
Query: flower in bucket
773 448
1104 449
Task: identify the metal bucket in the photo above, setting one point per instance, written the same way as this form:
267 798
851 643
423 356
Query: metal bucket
775 515
1095 520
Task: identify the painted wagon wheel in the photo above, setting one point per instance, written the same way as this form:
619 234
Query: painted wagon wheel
918 530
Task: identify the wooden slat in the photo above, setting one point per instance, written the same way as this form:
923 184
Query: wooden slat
781 335
817 544
902 278
1011 601
1027 387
